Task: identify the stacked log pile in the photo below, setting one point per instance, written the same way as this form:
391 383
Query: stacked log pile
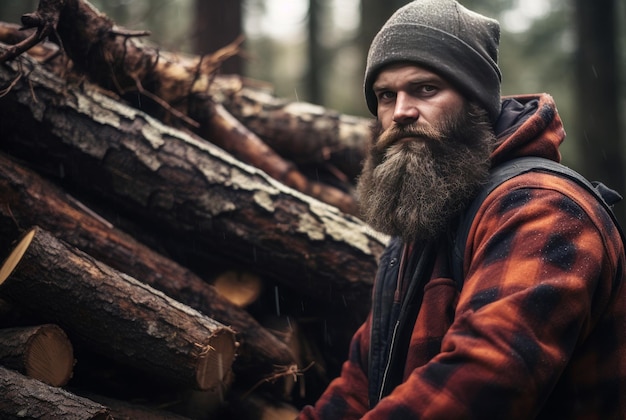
167 253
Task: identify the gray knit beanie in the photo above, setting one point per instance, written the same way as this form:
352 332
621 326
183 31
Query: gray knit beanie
445 37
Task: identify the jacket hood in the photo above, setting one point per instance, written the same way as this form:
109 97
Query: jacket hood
529 125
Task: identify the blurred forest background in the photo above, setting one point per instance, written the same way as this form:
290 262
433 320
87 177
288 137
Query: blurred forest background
314 51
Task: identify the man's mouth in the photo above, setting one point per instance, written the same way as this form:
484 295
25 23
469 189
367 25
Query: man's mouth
385 144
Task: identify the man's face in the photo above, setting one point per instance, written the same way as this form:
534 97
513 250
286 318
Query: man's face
409 94
429 156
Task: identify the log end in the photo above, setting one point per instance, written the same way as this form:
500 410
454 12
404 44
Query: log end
15 256
239 287
216 359
50 356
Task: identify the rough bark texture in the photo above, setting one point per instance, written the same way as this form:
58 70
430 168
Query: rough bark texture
128 134
306 133
117 61
226 131
179 184
299 131
22 397
41 352
114 314
31 200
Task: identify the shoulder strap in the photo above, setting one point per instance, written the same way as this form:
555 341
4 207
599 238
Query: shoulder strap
605 196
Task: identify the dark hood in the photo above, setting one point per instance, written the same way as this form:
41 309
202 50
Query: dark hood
528 125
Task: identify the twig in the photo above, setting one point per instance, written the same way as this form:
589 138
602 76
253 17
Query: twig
44 19
291 370
129 33
6 90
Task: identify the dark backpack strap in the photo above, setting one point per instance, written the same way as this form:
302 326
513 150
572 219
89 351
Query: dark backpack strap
605 196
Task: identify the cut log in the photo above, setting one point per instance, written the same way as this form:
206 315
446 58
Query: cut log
301 132
41 352
31 200
189 191
116 315
241 288
22 397
173 90
227 132
96 375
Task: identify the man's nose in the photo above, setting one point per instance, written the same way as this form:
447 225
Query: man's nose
405 111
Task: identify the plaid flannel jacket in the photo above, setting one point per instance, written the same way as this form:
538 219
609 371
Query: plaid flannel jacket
539 328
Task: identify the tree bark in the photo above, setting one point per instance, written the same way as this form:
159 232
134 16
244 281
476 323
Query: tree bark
31 200
187 198
41 352
301 132
189 190
227 132
173 90
22 397
114 314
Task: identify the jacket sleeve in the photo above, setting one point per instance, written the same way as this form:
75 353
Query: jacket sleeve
346 396
540 273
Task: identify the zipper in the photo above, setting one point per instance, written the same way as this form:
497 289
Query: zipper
388 364
396 301
412 303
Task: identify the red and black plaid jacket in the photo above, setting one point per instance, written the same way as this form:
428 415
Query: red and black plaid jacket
539 327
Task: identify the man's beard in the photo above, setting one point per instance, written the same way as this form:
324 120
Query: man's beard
415 180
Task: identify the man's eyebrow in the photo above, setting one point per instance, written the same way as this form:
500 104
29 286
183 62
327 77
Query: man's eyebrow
418 80
379 86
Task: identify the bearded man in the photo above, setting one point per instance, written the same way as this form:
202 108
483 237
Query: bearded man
537 327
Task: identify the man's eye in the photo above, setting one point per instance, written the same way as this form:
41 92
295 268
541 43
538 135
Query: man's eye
428 88
385 95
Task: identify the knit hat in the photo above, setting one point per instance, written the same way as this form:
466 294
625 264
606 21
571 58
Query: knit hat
445 37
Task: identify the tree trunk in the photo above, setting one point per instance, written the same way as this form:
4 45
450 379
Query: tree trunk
41 352
189 190
114 314
316 63
598 105
33 201
22 397
217 24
